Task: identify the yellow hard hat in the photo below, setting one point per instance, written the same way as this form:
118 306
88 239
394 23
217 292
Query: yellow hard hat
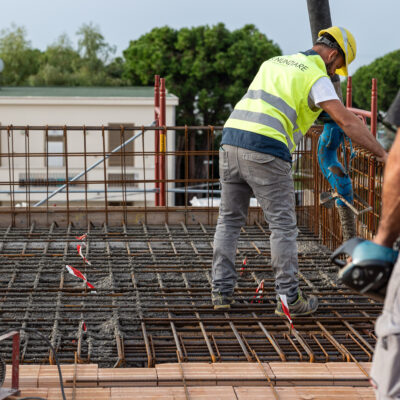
346 42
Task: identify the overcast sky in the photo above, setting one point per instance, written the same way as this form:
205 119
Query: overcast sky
374 23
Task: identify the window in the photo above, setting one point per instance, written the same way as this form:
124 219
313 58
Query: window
120 203
55 145
118 180
38 179
115 139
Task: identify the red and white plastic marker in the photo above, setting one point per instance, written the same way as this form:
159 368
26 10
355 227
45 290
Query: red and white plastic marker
259 293
243 269
82 237
285 309
79 248
78 274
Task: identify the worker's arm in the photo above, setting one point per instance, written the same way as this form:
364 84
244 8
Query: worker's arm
389 224
353 127
370 263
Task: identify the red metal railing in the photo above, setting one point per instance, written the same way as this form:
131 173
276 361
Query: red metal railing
15 360
157 139
364 114
160 139
373 116
100 197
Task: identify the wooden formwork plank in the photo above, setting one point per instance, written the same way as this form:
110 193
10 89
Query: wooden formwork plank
330 393
254 393
345 373
34 392
81 394
241 373
127 377
28 376
86 375
147 393
292 373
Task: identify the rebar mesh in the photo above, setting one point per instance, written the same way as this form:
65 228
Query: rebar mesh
152 265
152 301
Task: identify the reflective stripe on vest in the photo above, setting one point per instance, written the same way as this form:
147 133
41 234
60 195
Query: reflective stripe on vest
263 119
297 136
276 103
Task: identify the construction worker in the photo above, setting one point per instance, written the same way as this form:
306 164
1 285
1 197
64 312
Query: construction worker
385 372
373 269
285 98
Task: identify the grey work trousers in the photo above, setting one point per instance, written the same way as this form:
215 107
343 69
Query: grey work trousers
243 172
385 372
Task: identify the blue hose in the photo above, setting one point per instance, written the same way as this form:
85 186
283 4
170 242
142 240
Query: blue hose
331 138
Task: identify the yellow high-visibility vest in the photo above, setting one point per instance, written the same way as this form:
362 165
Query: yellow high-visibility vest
276 103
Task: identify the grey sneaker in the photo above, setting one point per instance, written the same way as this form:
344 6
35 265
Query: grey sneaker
221 300
304 305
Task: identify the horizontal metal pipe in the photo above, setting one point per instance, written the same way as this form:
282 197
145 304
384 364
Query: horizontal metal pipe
358 111
80 128
176 190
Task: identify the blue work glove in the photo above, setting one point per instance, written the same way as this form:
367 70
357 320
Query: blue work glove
370 268
329 141
368 250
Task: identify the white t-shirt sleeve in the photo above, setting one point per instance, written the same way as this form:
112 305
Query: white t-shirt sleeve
322 90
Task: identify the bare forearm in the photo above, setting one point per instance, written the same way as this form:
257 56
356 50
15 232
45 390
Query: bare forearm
389 225
360 134
353 127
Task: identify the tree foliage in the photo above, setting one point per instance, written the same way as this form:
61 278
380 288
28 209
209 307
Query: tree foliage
93 48
20 60
58 64
387 71
208 68
62 65
91 64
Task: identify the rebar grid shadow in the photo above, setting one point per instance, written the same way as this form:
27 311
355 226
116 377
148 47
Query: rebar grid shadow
152 301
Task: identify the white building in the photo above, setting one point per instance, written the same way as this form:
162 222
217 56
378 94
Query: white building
78 107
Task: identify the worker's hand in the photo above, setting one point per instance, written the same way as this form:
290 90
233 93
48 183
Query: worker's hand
360 251
383 158
370 267
367 251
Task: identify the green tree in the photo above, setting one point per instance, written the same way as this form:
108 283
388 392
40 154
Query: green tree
208 68
58 64
93 48
115 69
20 60
62 65
387 71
